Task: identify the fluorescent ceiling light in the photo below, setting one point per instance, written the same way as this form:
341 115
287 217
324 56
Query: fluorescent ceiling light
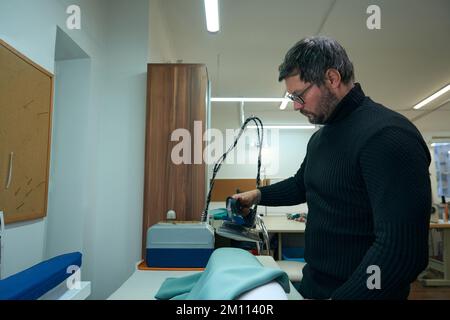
435 144
285 127
284 104
212 15
432 97
249 99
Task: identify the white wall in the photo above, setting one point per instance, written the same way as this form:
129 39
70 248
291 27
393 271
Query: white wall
115 35
120 161
23 246
161 48
69 189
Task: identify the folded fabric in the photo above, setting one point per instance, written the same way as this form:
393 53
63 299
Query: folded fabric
219 214
230 272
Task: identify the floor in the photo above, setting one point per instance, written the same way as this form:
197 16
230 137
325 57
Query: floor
419 292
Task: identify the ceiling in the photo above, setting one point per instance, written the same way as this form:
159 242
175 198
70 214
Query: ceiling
398 66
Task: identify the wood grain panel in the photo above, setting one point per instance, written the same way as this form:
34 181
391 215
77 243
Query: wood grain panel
176 98
224 188
26 98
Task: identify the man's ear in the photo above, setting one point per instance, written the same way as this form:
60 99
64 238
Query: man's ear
333 78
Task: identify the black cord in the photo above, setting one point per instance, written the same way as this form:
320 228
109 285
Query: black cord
219 162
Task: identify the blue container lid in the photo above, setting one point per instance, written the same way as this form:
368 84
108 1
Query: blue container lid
294 254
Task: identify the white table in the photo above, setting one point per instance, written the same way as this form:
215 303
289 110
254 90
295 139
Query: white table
280 224
144 284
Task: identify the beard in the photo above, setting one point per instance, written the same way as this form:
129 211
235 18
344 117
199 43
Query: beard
326 105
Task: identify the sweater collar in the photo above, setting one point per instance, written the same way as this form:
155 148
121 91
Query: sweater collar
347 105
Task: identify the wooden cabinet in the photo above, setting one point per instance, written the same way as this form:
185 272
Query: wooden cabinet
25 126
177 96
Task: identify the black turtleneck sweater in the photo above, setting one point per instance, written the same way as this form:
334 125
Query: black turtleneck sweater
366 182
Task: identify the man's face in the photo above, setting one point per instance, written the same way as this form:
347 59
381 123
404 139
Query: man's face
319 101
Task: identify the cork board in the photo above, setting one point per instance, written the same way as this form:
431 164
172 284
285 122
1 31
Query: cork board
26 94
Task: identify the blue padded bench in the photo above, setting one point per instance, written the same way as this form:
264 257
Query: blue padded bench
32 283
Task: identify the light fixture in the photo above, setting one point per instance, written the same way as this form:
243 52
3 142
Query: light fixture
437 144
249 99
432 97
286 127
284 104
212 15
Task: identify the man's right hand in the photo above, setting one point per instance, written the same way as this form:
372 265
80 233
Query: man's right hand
248 199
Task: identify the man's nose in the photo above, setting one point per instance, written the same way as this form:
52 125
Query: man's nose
298 106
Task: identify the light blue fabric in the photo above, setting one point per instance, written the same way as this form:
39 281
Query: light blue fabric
230 272
219 214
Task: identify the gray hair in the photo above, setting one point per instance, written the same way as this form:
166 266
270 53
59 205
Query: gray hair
312 57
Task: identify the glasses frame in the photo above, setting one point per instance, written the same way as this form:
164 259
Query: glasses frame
299 97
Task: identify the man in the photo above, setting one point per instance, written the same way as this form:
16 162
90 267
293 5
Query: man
364 177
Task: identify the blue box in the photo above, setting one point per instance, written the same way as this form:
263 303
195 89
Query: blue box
179 245
294 254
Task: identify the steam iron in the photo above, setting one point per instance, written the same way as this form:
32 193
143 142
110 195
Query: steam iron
235 215
237 226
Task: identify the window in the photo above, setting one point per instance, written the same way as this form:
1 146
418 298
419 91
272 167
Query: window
442 161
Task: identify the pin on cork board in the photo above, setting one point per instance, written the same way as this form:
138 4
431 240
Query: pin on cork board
26 98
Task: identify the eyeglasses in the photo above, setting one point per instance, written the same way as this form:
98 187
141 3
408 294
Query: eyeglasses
299 97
